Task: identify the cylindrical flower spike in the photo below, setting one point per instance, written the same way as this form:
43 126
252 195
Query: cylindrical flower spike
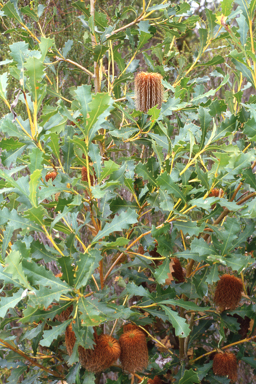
148 91
156 380
225 364
106 351
228 292
178 271
70 339
134 350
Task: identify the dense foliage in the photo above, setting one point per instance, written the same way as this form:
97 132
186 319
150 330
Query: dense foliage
101 204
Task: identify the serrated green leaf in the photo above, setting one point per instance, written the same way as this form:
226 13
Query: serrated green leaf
189 227
36 159
189 377
35 72
100 108
205 121
120 222
144 37
52 334
29 12
83 95
161 273
142 170
250 178
8 278
109 167
226 127
181 327
36 214
10 302
67 269
13 266
243 28
86 266
33 187
37 274
45 45
10 11
213 275
226 6
165 181
98 52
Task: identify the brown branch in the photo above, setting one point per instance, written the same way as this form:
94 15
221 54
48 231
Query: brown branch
31 360
76 64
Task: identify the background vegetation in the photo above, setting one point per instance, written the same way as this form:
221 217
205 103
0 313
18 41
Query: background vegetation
98 198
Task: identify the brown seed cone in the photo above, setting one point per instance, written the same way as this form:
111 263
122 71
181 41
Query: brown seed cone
156 380
70 339
228 292
106 351
134 350
224 364
148 91
178 271
214 192
63 316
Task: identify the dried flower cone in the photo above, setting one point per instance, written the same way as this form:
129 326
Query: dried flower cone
228 292
106 351
134 350
148 91
70 339
178 271
50 175
224 364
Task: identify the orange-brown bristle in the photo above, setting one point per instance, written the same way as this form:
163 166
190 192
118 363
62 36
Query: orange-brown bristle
228 292
148 91
63 316
134 350
106 351
70 339
178 271
225 364
51 175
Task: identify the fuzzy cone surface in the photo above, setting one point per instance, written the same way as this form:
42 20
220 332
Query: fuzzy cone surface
148 91
178 271
63 316
70 339
134 350
228 292
106 351
225 364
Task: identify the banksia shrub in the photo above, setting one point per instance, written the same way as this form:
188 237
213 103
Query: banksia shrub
70 339
224 364
148 91
106 351
228 292
50 175
178 271
134 350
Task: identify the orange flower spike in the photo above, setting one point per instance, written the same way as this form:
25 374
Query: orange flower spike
148 91
106 351
134 350
156 380
225 364
130 327
228 292
70 339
